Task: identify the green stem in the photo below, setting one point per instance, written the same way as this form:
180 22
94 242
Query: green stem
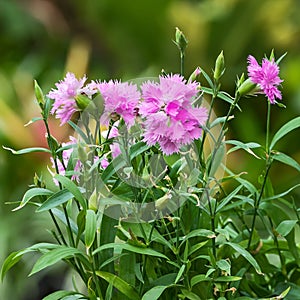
182 63
258 200
268 127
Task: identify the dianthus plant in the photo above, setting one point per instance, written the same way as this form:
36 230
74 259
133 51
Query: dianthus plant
141 201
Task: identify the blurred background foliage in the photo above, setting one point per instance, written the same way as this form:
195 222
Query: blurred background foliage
125 39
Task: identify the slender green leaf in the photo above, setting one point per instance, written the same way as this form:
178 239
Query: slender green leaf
227 278
155 292
138 149
119 284
15 257
228 198
73 188
286 160
284 130
27 150
199 278
245 146
90 228
61 294
31 193
285 227
181 270
9 262
123 246
246 255
189 295
53 256
55 200
224 265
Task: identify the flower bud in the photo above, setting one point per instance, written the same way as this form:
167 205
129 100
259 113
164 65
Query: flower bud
246 88
82 155
39 95
82 101
219 66
163 201
194 76
180 40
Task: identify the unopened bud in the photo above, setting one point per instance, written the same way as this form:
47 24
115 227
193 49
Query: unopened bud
82 155
247 88
219 66
82 101
39 95
194 76
180 40
163 201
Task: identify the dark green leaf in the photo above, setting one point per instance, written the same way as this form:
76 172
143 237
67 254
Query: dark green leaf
123 246
119 284
154 293
246 255
284 130
286 160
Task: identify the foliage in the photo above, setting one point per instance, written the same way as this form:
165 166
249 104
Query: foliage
145 224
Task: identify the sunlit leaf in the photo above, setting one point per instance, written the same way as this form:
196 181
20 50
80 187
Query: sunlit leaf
31 193
55 200
53 256
27 150
90 228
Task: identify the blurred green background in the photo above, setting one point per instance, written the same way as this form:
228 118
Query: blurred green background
128 39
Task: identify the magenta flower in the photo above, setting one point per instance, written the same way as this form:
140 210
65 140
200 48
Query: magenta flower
64 97
266 76
120 100
170 119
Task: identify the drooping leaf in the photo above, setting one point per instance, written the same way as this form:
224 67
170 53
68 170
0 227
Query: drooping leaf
135 249
245 146
286 160
55 200
119 284
72 188
55 255
246 255
199 278
155 292
27 150
31 193
284 130
61 294
285 227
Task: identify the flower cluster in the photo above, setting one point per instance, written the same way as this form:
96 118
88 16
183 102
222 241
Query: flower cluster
165 107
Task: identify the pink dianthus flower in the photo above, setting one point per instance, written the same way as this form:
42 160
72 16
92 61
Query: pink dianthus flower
64 97
170 119
266 76
120 100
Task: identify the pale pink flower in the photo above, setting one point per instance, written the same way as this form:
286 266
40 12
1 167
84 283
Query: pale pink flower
66 155
64 97
169 116
266 76
120 100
